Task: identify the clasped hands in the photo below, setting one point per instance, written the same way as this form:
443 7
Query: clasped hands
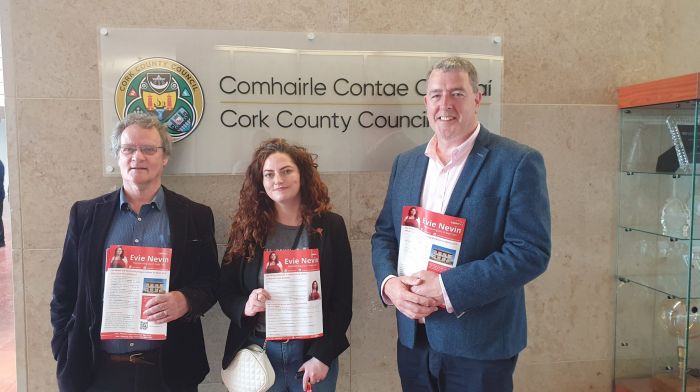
416 296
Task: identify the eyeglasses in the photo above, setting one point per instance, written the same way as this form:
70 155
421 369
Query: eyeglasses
130 149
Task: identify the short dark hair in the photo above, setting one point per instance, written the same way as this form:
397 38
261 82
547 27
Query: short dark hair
455 63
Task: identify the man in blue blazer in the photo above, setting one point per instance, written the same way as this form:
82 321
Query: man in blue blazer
462 330
141 213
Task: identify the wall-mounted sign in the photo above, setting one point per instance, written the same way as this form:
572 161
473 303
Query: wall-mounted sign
165 88
356 100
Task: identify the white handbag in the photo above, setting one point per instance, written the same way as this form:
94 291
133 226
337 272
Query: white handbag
250 371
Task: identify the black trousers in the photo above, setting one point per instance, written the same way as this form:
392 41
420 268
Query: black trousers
124 376
424 370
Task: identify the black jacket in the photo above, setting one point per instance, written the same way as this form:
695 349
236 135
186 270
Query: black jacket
76 307
240 278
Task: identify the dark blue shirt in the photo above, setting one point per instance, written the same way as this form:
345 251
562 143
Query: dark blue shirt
151 228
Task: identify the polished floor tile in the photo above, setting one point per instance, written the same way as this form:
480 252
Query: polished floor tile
8 373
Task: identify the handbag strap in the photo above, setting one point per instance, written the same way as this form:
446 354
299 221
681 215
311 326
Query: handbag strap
298 237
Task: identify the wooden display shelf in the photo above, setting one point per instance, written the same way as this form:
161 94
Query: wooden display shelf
676 89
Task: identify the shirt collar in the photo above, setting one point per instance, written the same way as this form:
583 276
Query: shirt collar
158 200
460 152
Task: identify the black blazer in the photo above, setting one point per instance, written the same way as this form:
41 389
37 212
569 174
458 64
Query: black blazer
240 278
76 307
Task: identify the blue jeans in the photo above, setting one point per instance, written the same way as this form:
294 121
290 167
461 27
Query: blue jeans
286 359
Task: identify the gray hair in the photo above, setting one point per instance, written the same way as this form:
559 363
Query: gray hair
458 64
145 121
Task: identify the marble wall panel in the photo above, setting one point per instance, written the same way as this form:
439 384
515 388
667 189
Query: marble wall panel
681 50
578 53
373 333
579 376
339 191
344 383
580 146
367 192
57 74
571 135
570 307
212 387
41 265
215 324
376 381
12 170
60 162
220 193
537 30
449 17
307 15
8 63
552 55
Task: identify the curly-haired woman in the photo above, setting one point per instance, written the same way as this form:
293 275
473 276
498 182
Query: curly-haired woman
285 205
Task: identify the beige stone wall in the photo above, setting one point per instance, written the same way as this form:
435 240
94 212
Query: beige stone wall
681 46
563 61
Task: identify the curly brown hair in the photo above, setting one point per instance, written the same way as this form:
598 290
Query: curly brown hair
255 217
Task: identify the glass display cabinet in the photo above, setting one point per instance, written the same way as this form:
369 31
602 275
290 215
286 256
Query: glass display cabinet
657 317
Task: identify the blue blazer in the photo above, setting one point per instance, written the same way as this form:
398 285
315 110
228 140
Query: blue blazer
76 306
502 193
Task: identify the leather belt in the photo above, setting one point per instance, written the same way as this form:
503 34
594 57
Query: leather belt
143 358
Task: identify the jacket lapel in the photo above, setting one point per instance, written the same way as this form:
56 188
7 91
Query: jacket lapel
251 270
471 169
101 221
178 231
414 191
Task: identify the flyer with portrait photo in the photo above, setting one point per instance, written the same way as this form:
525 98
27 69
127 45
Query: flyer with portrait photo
430 241
133 276
293 279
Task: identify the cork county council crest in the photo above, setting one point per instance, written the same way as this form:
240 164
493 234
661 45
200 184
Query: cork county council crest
165 88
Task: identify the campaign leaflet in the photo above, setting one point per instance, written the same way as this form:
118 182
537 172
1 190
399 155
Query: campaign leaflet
133 276
293 279
429 241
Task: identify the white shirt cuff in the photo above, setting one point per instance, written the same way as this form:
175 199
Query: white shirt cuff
386 299
448 304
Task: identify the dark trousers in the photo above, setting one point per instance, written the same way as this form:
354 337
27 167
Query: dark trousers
132 377
424 370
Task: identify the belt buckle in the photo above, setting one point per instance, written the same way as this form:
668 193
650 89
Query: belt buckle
137 358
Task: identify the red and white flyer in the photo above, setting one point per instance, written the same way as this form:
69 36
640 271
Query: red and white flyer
293 279
133 276
429 241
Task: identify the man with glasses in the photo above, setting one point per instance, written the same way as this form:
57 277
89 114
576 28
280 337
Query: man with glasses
141 213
